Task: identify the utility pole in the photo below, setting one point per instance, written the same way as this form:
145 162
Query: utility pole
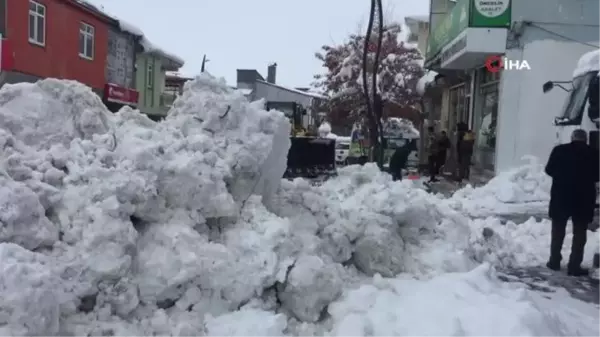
204 61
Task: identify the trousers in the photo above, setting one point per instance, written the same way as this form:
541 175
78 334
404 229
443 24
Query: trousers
559 227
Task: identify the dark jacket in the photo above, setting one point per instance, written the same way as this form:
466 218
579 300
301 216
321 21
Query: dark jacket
400 158
574 169
443 145
466 145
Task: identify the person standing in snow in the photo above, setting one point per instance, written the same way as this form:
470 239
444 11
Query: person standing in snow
400 158
443 146
465 150
461 129
574 169
432 149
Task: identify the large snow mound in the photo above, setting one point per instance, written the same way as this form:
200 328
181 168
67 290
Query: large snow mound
118 225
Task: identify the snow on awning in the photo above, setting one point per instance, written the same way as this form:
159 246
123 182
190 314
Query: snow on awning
424 81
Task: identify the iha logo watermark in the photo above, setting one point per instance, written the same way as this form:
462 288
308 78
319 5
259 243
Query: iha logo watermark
495 63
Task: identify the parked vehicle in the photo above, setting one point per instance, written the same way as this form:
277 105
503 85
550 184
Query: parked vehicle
342 150
308 157
581 108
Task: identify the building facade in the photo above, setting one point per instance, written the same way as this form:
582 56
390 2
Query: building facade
53 38
120 73
507 108
152 65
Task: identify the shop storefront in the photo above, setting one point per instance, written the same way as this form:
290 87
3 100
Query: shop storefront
115 97
458 47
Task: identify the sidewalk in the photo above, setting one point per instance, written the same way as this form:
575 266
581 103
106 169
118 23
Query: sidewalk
447 186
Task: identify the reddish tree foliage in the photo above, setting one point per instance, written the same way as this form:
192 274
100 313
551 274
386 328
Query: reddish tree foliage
400 68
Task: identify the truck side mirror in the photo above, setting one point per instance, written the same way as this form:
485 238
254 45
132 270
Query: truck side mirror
547 86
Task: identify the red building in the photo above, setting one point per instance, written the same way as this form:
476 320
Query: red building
54 38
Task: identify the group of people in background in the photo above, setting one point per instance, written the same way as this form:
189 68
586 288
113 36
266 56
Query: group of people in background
438 145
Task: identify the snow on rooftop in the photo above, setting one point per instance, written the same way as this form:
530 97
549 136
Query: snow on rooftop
590 61
306 93
134 30
130 28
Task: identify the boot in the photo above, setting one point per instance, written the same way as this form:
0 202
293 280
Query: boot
577 271
554 265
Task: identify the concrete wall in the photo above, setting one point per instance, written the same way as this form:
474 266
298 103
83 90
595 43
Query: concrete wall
526 114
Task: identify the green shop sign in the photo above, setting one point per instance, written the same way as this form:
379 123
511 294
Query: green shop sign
465 14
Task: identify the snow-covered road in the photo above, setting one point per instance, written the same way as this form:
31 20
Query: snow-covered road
112 224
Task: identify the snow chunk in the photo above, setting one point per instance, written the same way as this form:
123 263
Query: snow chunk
30 293
22 218
311 285
247 322
324 128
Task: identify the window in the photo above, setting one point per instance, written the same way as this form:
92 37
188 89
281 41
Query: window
572 112
86 41
37 23
150 75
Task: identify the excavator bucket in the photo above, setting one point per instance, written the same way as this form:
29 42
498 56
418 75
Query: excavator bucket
311 158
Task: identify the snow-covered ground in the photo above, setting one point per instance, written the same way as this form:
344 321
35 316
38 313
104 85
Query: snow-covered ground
112 224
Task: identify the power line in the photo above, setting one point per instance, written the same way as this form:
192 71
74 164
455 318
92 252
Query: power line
561 35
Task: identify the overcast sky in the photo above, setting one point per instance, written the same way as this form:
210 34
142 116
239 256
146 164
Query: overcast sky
250 34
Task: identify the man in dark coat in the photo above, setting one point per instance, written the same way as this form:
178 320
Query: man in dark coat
574 169
400 158
443 146
432 153
465 151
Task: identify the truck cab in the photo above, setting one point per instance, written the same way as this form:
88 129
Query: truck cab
580 110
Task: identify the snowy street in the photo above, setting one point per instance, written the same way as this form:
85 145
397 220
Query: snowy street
113 224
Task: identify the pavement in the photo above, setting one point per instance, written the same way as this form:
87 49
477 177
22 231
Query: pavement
542 279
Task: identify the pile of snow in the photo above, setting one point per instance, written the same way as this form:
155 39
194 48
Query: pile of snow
324 131
118 225
525 189
522 245
114 214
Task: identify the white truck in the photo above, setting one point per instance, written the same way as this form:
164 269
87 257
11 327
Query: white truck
581 110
